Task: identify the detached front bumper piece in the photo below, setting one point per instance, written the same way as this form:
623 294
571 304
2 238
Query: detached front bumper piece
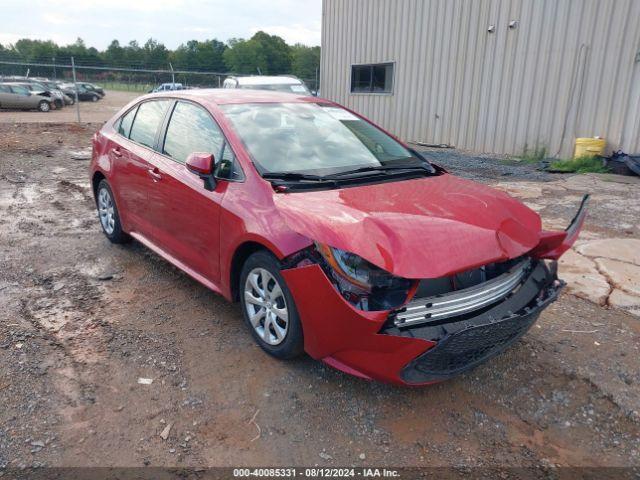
464 342
373 345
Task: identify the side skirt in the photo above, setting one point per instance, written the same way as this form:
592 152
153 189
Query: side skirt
174 261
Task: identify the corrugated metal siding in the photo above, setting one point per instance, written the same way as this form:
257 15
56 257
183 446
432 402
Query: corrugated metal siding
568 70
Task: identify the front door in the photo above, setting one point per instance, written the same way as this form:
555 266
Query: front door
22 97
186 216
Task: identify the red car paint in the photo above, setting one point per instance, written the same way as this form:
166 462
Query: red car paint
406 229
423 228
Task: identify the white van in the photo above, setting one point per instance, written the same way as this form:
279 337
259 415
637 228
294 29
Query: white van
282 83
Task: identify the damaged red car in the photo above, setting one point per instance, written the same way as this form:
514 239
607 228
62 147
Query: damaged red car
337 239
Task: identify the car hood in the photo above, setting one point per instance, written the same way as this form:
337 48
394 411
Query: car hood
424 228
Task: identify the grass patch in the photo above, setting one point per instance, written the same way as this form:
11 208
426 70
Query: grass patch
533 156
586 164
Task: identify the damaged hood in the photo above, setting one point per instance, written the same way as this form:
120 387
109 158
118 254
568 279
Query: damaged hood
424 228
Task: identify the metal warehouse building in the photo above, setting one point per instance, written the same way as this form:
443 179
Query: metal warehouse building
496 76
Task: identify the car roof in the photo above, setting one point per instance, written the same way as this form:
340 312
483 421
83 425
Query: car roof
225 96
268 80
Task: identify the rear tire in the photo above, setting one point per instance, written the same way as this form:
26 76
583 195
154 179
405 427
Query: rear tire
268 307
108 214
44 106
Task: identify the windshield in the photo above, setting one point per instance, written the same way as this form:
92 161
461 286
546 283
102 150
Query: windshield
279 87
312 138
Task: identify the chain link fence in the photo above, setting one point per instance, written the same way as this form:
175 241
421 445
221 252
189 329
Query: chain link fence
124 81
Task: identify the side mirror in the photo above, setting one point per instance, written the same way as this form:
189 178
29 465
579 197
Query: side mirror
202 164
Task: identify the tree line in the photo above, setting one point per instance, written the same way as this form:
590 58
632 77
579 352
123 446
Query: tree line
261 54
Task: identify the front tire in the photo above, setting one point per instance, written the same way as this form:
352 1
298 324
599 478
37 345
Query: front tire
108 214
44 106
95 98
268 307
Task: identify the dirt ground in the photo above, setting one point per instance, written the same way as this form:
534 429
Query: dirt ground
81 321
97 112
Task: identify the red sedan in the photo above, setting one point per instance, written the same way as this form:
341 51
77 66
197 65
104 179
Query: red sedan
336 238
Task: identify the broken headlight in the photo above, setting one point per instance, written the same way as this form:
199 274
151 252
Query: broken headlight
362 283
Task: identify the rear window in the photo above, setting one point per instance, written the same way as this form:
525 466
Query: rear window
147 122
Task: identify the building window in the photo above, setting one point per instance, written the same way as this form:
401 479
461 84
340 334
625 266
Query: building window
377 78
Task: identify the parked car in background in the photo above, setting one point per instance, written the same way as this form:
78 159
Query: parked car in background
84 94
14 95
283 83
92 88
165 87
55 94
55 86
336 238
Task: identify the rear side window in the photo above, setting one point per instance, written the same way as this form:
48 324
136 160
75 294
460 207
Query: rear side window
124 126
147 121
191 129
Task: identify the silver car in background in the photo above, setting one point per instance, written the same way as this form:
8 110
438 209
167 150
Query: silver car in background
15 95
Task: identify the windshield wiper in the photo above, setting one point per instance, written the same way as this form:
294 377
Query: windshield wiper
382 169
292 176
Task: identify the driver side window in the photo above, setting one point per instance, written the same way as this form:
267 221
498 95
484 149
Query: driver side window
191 129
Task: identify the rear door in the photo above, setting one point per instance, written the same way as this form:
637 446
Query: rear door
130 152
185 214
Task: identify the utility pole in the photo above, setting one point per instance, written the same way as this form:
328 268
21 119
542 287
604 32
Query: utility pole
53 59
75 87
173 77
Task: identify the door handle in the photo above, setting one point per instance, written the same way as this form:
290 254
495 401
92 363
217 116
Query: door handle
154 173
116 152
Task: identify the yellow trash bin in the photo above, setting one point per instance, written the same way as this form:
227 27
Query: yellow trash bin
589 147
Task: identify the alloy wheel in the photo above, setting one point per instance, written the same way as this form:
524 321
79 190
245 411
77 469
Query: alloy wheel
106 211
266 306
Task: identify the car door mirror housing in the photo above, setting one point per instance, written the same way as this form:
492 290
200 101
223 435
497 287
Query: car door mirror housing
202 164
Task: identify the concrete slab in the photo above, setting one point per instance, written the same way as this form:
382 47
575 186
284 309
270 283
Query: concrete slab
621 275
583 278
622 249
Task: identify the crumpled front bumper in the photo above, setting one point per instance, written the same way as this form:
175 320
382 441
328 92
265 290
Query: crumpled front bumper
367 344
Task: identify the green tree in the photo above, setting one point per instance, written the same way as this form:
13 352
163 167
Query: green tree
114 54
305 61
195 55
155 54
263 53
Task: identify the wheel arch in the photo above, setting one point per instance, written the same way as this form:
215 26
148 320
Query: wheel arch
97 177
240 255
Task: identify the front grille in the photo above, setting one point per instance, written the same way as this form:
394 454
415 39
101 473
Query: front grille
467 348
430 309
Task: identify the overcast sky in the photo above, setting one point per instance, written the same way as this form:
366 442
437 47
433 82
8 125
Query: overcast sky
171 22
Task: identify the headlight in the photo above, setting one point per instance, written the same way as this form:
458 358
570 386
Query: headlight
354 268
361 283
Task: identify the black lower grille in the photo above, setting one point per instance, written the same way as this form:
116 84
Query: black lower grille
466 349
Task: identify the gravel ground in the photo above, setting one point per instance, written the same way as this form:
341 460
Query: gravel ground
83 321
